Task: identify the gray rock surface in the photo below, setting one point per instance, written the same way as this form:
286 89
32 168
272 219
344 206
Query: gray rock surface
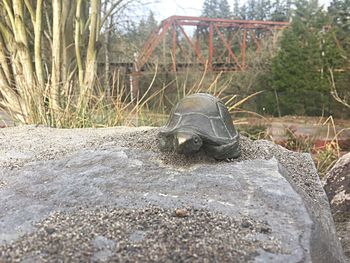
108 194
337 187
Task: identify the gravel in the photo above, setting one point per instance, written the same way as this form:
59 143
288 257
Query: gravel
144 235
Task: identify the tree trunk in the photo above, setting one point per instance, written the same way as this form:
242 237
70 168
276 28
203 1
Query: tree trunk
91 49
9 51
37 44
22 43
90 64
9 95
106 49
77 40
56 56
68 13
5 61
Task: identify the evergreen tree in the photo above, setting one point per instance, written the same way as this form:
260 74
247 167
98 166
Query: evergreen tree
224 9
296 71
210 8
236 10
243 12
216 9
279 11
263 9
252 10
151 21
133 37
288 10
336 46
146 27
339 11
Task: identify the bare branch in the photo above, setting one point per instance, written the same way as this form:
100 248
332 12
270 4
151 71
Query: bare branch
109 12
334 91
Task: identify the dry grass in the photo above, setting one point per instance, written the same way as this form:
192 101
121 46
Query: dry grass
325 153
326 156
117 106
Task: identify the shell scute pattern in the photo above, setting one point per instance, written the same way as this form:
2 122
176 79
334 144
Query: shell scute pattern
200 117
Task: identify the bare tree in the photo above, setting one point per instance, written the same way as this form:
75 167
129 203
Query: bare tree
334 92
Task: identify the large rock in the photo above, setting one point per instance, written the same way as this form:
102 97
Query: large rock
110 195
337 187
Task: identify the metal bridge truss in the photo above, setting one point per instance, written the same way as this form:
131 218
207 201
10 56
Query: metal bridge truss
216 44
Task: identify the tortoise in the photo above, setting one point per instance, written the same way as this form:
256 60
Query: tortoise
200 121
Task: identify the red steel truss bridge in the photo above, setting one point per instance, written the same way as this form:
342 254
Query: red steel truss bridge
211 43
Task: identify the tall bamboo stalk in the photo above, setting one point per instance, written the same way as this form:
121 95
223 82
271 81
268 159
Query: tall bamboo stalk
77 34
56 56
22 42
48 54
67 28
37 43
106 49
91 52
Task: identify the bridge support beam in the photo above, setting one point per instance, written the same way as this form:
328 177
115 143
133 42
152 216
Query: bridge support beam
218 44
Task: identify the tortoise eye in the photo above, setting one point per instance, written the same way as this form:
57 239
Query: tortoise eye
196 140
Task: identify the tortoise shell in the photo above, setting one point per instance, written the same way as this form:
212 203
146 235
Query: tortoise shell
207 117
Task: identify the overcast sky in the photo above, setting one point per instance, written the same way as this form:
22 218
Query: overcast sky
165 8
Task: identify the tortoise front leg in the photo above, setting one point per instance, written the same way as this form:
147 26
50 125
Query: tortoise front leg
221 152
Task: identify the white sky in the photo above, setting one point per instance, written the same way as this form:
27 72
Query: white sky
165 8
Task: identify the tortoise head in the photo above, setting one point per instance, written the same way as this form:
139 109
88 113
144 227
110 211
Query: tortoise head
187 142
